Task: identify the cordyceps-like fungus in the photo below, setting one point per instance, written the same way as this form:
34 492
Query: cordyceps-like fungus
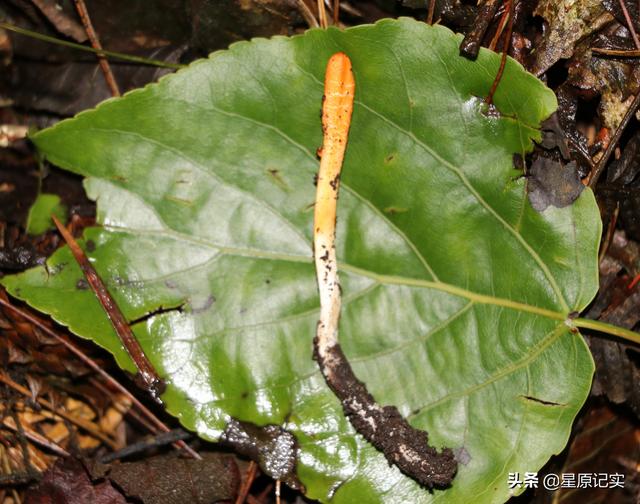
382 426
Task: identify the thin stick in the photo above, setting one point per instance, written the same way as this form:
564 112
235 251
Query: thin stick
616 52
307 14
278 491
496 37
95 43
627 17
503 60
89 427
322 14
141 446
610 232
94 366
383 427
432 8
336 12
595 175
36 438
248 481
102 52
146 371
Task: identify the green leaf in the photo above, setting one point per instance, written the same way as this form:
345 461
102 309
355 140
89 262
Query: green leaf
455 291
45 205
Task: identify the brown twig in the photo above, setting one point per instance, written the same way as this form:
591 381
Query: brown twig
470 45
627 18
95 43
503 21
432 8
247 482
146 372
106 376
609 236
336 12
631 53
39 439
322 14
89 427
63 22
155 442
307 14
595 174
277 491
503 60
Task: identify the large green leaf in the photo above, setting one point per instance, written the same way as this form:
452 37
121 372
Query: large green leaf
455 289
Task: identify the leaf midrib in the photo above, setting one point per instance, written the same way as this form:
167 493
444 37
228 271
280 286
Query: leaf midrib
532 253
377 277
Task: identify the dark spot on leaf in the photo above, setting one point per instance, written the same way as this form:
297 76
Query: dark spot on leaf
90 245
395 210
390 158
82 284
244 395
158 311
462 455
267 281
205 306
179 201
541 401
277 178
315 179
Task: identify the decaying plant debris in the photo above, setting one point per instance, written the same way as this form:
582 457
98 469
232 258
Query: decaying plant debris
56 407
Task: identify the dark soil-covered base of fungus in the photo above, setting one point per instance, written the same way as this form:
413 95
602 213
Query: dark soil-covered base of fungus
384 427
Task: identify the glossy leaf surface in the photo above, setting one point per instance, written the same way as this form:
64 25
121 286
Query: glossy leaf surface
455 290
